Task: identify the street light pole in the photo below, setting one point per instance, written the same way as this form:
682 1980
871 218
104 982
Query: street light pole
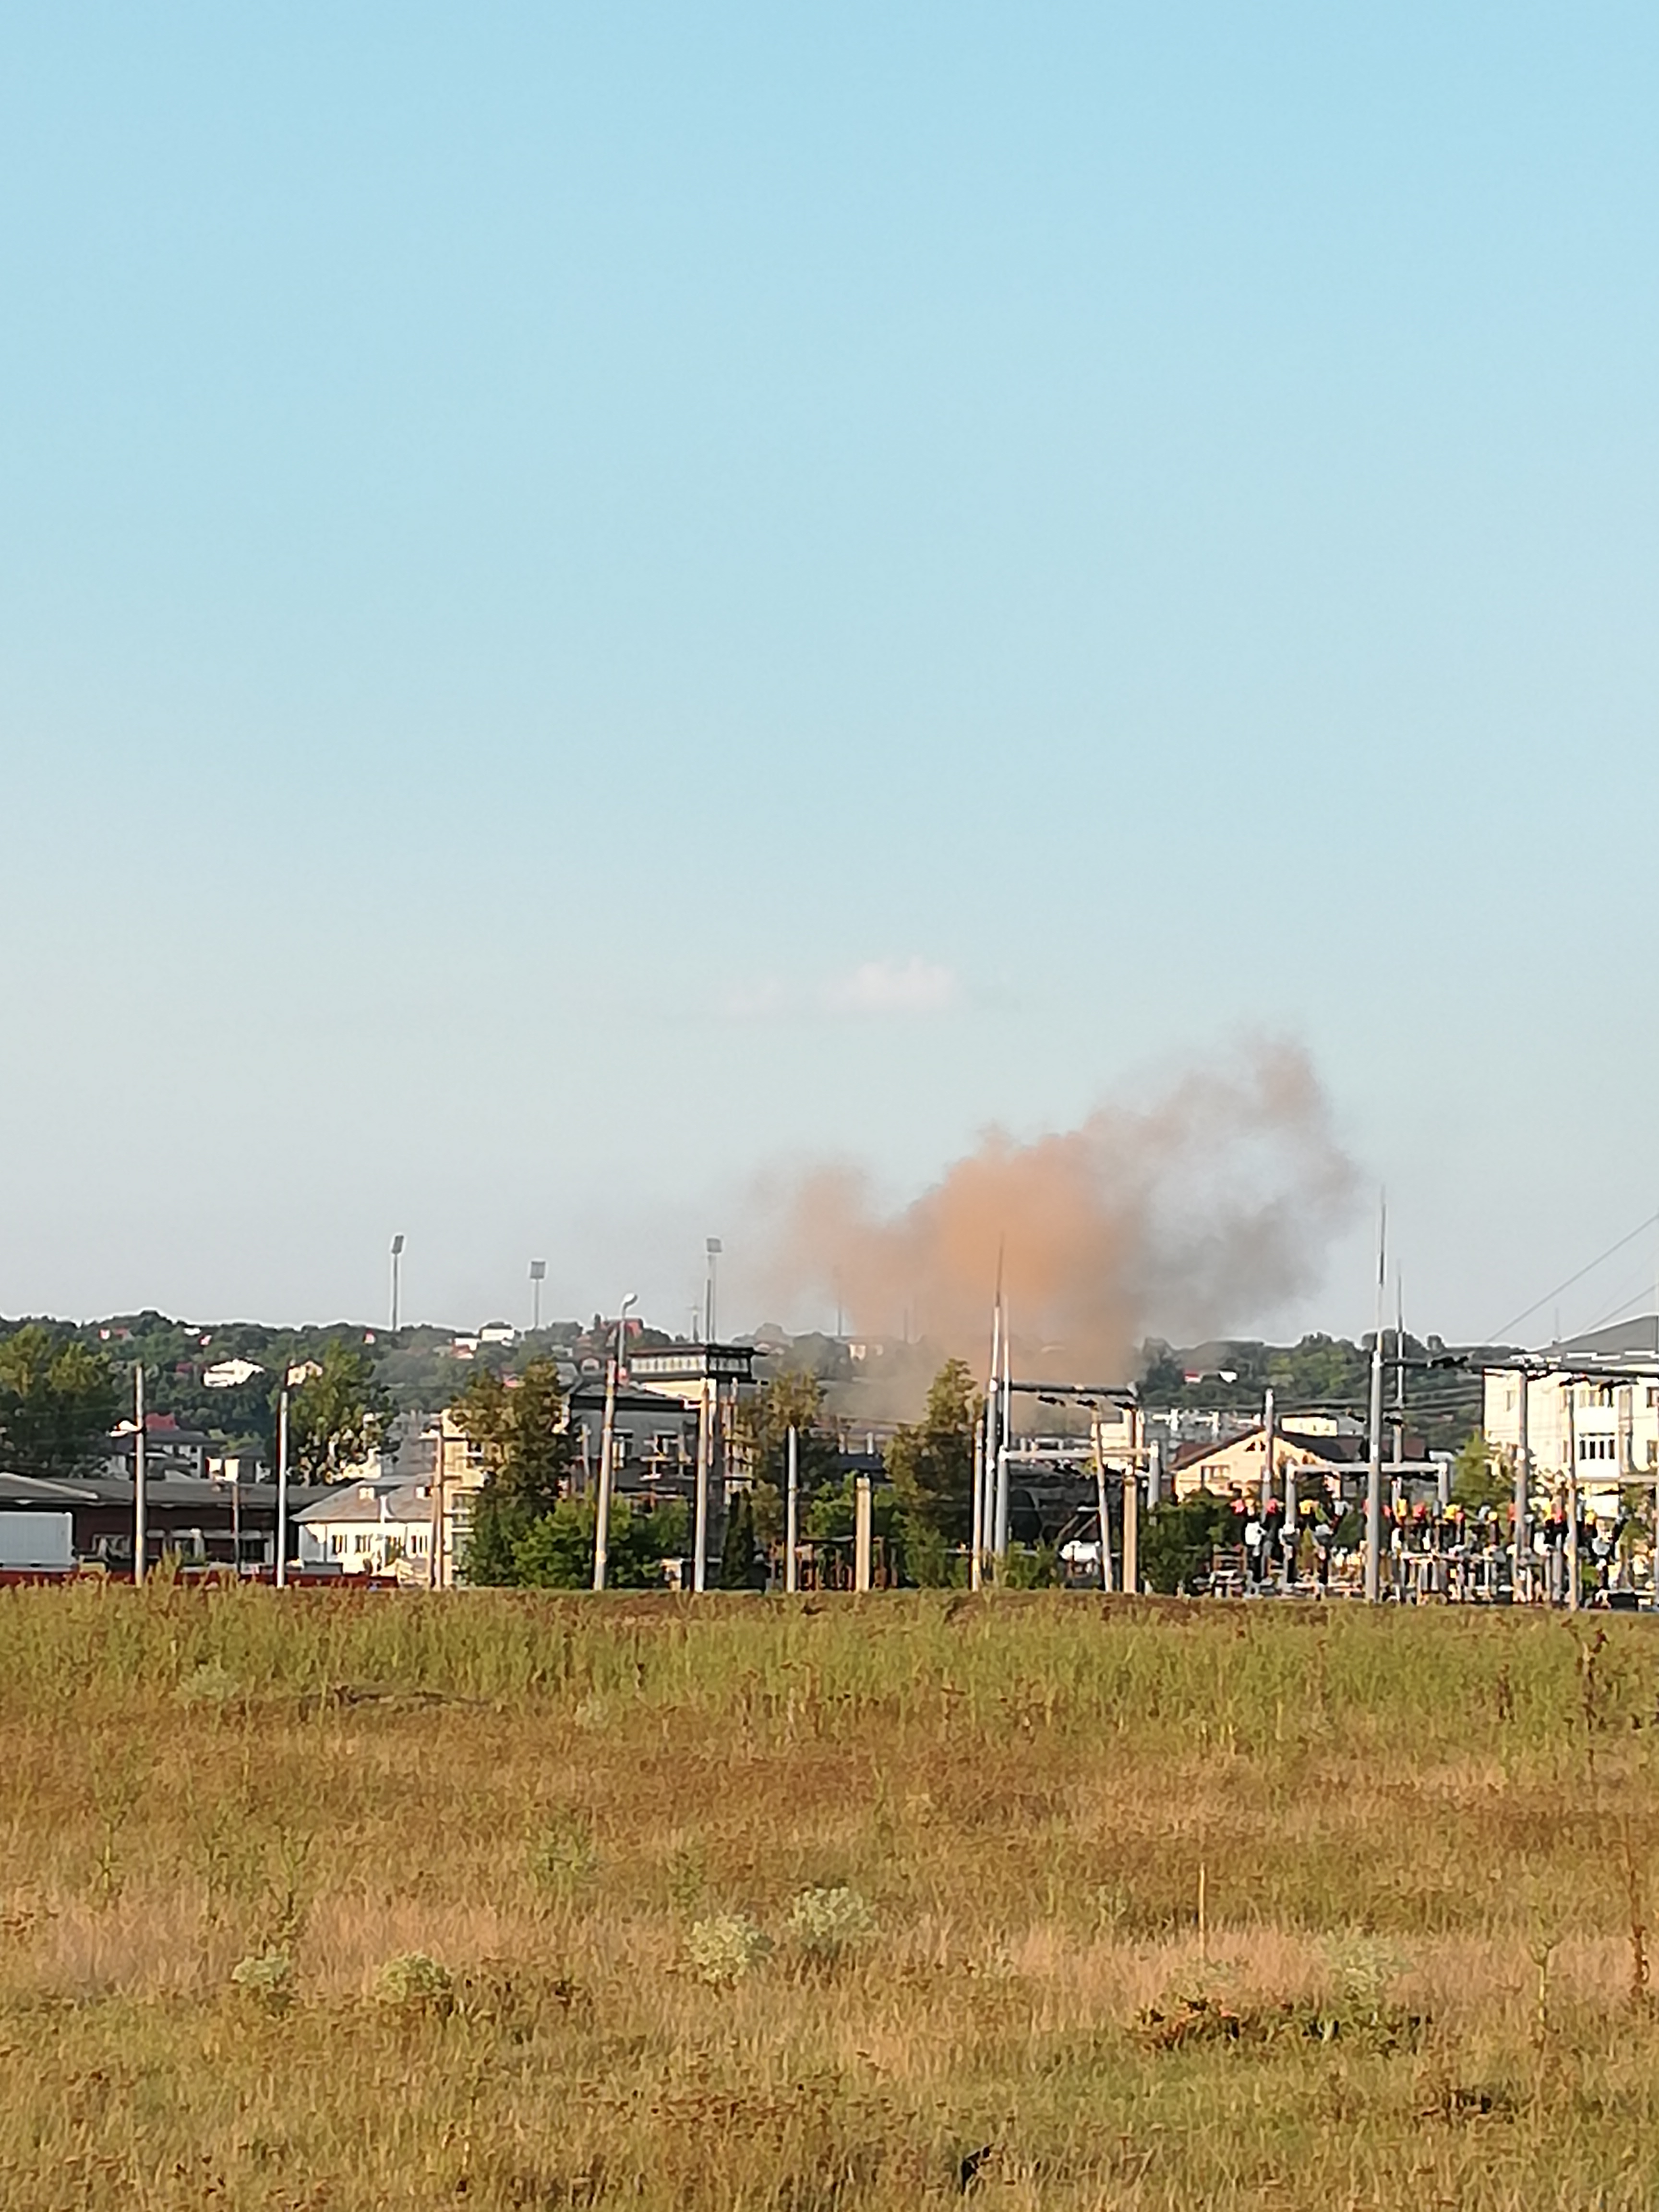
791 1516
140 1533
397 1260
282 1487
1374 1464
607 1435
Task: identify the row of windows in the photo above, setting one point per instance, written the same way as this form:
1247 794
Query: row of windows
1606 1447
664 1445
1592 1393
361 1543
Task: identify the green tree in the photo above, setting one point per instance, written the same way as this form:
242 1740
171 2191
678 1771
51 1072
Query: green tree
932 1467
831 1517
556 1551
338 1417
528 1448
1478 1479
761 1430
739 1555
58 1404
1177 1538
1318 1367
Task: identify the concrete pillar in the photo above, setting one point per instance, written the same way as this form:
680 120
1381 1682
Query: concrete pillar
863 1532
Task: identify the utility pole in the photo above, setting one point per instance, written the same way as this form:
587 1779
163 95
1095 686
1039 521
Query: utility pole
607 1449
1399 1375
282 1484
1374 1468
1000 1534
140 1533
791 1513
1132 1508
1521 1571
1291 1523
984 1515
1573 1498
1271 1476
537 1276
700 1525
396 1269
976 1556
1268 1490
1099 1453
863 1531
434 1565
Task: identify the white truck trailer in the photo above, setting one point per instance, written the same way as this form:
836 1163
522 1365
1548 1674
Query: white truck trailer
37 1543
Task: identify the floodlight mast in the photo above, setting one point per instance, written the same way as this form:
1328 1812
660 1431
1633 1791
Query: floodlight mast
537 1276
397 1264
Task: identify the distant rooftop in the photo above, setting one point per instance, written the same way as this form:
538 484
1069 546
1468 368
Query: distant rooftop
1637 1338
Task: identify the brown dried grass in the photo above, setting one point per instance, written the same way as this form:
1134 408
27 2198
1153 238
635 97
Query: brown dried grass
1417 1837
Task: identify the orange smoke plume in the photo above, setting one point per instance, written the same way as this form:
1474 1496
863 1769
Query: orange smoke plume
1202 1210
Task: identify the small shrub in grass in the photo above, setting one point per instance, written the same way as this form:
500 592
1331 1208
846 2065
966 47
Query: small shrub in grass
827 1925
1363 1969
209 1683
725 1949
687 1877
562 1856
413 1984
266 1980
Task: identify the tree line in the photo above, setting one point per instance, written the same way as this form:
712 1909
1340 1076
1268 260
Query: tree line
60 1400
526 1529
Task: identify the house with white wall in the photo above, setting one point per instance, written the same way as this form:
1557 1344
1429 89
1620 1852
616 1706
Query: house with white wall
370 1527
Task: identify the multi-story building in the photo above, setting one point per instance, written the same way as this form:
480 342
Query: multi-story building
1590 1402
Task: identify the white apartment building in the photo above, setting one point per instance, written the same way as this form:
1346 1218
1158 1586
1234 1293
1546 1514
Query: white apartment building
1596 1406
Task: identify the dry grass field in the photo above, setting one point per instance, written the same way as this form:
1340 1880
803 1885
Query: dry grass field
518 1902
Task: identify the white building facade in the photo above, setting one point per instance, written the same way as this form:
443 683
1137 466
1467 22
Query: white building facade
1594 1406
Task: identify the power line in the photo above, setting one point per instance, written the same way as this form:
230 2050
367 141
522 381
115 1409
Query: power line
1498 1334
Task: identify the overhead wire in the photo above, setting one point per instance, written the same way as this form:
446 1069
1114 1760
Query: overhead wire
1498 1335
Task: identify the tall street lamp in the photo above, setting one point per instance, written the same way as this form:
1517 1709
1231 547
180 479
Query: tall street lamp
139 1532
288 1374
397 1260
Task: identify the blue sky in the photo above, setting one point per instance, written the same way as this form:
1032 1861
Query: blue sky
596 601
